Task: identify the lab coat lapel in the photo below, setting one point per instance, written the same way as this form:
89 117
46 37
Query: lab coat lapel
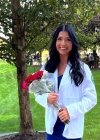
56 80
65 77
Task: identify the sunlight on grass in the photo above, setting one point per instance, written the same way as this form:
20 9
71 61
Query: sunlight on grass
7 117
9 120
5 67
9 106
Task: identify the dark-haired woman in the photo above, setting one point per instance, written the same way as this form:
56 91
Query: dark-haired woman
74 89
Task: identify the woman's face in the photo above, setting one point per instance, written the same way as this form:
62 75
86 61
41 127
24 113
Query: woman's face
63 43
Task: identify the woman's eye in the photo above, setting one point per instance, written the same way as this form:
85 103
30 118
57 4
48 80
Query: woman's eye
68 39
59 38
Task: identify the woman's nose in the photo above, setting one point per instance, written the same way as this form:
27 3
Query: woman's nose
63 42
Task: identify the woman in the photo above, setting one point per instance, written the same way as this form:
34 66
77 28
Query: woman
74 90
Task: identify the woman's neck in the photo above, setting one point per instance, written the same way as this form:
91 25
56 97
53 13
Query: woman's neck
63 60
62 65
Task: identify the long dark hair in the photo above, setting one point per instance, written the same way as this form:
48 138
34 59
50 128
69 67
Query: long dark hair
76 72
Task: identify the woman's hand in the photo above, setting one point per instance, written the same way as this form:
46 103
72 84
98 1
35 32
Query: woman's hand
52 98
64 115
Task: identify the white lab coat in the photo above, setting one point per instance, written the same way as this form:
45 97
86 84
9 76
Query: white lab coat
78 101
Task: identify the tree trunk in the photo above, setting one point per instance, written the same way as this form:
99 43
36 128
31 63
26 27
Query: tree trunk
25 113
18 46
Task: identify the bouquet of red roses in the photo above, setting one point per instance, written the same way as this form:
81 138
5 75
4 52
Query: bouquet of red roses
40 82
28 80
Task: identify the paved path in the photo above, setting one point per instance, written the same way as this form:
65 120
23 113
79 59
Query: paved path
5 134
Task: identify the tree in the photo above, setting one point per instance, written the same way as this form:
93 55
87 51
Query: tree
22 22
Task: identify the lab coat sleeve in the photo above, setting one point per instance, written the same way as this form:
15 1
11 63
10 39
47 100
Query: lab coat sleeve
42 99
89 97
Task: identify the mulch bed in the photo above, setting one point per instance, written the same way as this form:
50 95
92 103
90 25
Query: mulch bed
34 136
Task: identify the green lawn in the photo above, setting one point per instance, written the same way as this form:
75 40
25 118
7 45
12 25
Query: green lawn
92 124
9 110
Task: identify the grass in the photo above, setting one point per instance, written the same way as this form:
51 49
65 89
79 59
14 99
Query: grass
92 125
9 106
8 98
9 109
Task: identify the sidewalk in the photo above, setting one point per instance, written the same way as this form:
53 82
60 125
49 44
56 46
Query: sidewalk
5 134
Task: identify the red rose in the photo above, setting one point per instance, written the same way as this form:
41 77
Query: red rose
28 80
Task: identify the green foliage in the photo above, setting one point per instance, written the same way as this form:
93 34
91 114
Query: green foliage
40 19
86 40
